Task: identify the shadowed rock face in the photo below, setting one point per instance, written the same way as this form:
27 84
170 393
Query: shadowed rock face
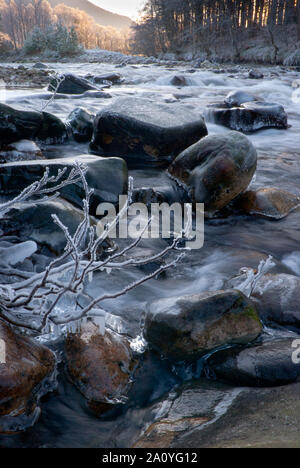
18 125
249 116
268 202
27 365
81 122
186 328
216 169
145 133
100 366
107 176
269 364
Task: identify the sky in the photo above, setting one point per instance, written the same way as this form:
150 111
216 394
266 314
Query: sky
123 7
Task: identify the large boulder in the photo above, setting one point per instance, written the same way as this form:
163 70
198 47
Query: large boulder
29 125
81 122
267 202
267 364
187 328
22 379
100 366
107 176
249 116
144 132
216 169
70 84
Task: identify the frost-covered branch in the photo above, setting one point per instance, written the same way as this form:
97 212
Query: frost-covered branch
46 188
59 80
34 301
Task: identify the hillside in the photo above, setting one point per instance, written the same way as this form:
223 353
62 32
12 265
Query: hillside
101 16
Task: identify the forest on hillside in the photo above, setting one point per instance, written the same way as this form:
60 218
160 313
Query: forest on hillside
35 25
219 28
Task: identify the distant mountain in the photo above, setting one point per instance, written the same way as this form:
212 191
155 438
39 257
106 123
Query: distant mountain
101 16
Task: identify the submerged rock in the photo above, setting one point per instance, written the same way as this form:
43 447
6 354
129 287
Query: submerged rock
144 132
81 122
249 116
107 176
186 328
22 376
70 84
22 150
268 364
100 366
18 125
216 169
267 202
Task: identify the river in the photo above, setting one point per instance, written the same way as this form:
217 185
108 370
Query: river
230 243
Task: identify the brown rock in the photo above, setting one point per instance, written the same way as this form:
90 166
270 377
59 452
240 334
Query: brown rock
268 202
21 376
100 366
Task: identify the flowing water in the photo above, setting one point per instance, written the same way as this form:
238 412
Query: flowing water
230 243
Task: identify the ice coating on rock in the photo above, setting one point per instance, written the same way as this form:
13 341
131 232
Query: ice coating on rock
17 253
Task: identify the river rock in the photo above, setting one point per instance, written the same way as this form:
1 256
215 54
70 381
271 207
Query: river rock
267 202
184 410
238 97
18 125
112 78
107 176
23 150
266 365
34 221
249 116
277 298
179 80
144 132
70 84
216 169
22 379
186 328
255 75
40 66
81 122
100 366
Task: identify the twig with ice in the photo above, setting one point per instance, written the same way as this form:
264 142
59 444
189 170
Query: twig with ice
252 277
34 302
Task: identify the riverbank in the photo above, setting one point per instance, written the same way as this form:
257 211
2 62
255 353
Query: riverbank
253 55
